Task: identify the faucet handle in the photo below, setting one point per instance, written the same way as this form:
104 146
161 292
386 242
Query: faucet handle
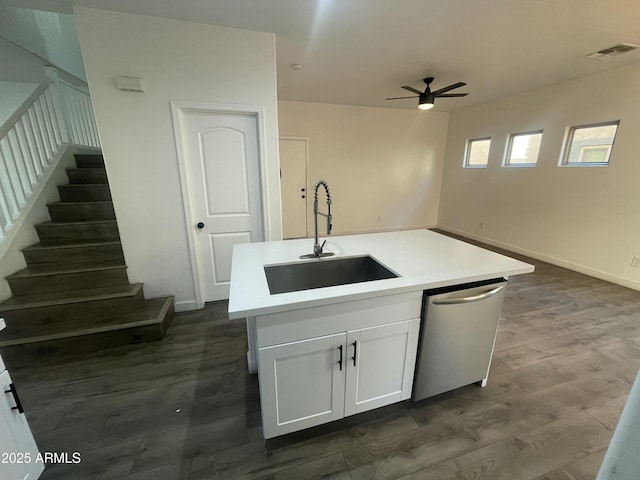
322 246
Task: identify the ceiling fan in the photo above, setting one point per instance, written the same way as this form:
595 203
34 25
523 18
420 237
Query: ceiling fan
427 97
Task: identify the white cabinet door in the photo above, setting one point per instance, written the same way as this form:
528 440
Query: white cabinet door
16 438
380 365
302 384
11 471
310 382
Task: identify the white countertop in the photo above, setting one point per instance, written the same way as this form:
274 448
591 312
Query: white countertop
423 259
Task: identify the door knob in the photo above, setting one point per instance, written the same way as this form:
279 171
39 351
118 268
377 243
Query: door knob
302 196
303 190
200 225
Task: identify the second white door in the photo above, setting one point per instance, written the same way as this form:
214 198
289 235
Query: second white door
293 180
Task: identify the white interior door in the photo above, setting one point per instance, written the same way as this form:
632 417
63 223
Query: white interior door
221 172
293 186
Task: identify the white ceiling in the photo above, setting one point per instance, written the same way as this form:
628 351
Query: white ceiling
357 52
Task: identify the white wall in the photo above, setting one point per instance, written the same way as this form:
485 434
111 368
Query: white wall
12 95
383 165
177 61
18 65
583 218
50 35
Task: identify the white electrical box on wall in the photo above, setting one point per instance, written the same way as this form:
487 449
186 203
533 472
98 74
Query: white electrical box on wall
130 84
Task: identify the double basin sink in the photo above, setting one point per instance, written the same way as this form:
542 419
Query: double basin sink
320 273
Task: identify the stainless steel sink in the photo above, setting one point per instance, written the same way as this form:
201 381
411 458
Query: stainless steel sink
293 277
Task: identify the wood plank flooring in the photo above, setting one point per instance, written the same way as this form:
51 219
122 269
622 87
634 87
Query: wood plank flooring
568 350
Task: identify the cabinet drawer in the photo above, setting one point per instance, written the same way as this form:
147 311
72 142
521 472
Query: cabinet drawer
312 322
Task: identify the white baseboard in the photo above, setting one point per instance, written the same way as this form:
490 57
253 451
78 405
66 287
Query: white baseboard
186 306
380 230
586 270
252 365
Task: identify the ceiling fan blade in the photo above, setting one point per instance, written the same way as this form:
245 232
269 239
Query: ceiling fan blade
411 89
398 98
452 95
450 87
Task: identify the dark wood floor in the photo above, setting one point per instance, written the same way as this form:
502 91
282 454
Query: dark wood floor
567 353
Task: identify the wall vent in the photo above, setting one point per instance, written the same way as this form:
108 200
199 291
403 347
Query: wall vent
613 51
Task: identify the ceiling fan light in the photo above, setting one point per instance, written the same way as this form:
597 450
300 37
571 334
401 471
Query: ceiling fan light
426 101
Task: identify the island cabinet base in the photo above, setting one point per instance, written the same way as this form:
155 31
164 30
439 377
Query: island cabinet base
320 364
19 456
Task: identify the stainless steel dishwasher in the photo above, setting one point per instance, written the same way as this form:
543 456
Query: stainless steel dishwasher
457 335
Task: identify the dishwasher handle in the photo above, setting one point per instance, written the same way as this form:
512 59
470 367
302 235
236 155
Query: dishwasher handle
474 298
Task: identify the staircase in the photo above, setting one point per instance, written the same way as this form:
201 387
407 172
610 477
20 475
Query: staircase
74 296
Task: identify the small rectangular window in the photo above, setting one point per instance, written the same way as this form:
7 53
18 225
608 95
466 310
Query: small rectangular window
477 154
523 149
590 144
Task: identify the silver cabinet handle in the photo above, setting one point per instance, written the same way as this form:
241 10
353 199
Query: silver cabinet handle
474 298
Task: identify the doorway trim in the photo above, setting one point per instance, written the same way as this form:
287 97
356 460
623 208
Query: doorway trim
177 108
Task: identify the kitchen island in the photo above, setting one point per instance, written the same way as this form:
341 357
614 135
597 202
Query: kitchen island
325 353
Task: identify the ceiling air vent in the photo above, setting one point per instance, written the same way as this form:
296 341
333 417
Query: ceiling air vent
613 51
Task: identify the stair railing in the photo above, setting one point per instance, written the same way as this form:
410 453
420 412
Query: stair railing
33 139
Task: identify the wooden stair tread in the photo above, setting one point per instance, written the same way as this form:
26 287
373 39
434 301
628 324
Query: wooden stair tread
83 185
61 298
82 202
44 270
144 313
78 231
88 169
54 245
89 157
79 222
87 175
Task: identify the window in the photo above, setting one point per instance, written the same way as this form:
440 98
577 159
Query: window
523 148
590 144
477 154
